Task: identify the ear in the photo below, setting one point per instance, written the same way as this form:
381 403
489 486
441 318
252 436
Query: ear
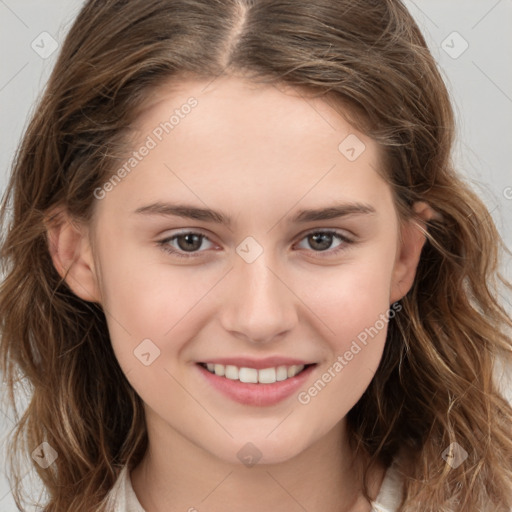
409 251
71 253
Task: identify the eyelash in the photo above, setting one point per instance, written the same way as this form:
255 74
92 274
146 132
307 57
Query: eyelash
164 244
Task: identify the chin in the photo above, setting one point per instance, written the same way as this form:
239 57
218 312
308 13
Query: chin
259 449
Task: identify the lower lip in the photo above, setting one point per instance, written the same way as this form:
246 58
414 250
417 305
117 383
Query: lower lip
257 394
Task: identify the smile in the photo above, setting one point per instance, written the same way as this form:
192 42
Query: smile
261 387
253 375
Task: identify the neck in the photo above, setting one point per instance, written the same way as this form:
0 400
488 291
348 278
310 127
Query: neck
176 475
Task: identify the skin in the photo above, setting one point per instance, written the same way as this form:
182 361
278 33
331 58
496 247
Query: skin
258 153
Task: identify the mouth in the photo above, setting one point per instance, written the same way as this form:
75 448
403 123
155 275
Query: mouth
250 375
263 387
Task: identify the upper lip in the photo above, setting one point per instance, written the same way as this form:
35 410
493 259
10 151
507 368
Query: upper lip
258 364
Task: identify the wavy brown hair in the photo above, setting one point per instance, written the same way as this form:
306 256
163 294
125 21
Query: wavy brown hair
369 60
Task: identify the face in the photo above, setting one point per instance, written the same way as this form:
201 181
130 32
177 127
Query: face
285 280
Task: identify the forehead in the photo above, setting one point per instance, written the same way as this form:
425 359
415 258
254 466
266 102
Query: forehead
234 141
235 106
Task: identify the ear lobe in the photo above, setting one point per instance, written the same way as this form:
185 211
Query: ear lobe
409 251
71 253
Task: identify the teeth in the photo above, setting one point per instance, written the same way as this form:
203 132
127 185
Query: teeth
231 372
253 376
248 375
267 376
281 373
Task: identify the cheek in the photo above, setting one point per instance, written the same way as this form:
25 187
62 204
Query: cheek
352 297
148 300
359 316
353 302
143 294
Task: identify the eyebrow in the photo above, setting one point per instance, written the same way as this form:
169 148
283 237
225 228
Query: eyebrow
334 211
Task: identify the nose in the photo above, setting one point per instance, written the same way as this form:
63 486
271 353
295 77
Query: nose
258 305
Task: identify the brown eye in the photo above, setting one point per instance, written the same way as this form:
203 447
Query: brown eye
321 241
187 242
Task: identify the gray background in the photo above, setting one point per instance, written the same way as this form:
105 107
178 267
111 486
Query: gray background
479 80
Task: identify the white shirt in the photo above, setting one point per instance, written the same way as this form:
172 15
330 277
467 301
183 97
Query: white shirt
122 497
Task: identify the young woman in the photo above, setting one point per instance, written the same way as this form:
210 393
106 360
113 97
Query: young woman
242 273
